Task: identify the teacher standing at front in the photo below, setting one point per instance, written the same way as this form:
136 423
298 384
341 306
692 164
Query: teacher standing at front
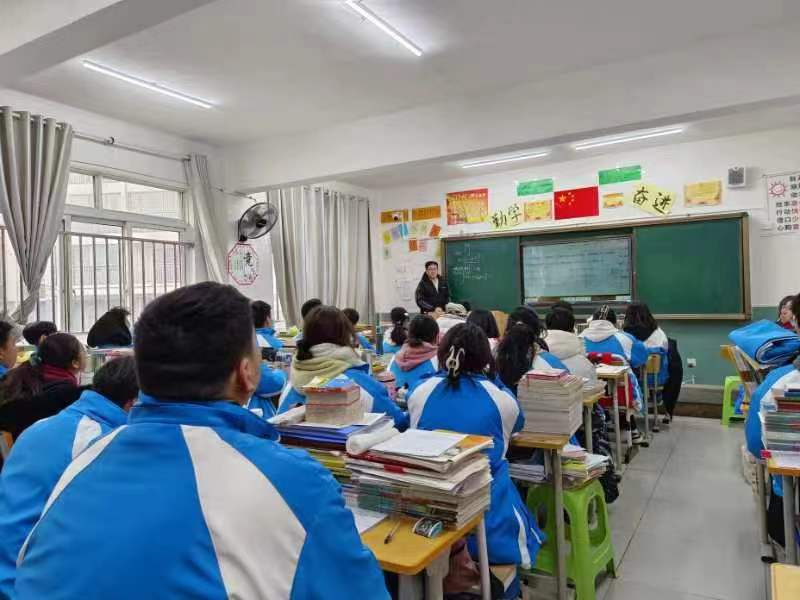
432 291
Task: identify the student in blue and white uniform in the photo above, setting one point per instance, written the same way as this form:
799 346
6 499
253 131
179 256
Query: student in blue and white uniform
9 336
262 320
467 397
566 345
45 449
327 350
395 337
642 325
194 498
417 358
354 317
542 357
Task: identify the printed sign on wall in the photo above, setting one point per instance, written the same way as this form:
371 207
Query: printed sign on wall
470 206
243 264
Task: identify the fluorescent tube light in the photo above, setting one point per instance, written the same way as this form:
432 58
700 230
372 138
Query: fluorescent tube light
383 26
153 87
627 138
485 162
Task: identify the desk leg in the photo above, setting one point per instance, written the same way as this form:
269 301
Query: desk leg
409 587
788 519
587 428
483 562
766 549
629 412
434 576
617 434
646 403
561 543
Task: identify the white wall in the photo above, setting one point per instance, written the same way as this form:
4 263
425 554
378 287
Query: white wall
772 258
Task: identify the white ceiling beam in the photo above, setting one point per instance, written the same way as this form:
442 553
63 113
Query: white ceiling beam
87 25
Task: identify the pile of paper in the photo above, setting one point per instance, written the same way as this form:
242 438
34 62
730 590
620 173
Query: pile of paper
780 420
578 466
551 400
420 473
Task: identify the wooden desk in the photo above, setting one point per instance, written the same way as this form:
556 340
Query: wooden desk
789 477
408 554
615 378
785 582
552 444
588 405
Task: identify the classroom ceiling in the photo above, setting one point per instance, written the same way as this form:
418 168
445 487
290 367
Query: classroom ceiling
276 67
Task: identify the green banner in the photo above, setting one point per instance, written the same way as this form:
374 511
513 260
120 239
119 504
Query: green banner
531 188
633 173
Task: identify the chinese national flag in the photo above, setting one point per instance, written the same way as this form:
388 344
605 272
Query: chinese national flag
580 202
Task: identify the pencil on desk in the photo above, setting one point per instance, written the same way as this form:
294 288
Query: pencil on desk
390 535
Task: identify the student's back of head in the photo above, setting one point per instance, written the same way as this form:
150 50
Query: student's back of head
262 314
325 325
110 330
352 315
422 329
639 321
9 336
526 315
605 313
197 343
485 321
517 349
399 332
308 306
465 350
59 355
116 380
35 332
560 319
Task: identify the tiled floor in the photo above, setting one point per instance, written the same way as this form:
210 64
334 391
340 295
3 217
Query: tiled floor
684 527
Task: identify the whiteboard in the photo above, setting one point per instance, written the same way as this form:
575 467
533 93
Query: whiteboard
579 269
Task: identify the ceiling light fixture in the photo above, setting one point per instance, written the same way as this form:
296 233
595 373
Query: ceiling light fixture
370 16
153 87
485 162
628 138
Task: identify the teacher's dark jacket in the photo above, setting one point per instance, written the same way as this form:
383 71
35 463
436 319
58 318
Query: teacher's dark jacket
427 296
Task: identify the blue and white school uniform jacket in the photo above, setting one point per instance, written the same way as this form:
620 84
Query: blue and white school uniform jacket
545 360
37 460
411 377
3 370
389 347
271 384
374 395
658 343
364 342
482 407
602 336
266 338
196 500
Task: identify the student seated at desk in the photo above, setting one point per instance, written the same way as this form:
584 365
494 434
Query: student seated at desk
516 352
566 345
468 398
195 498
43 386
305 310
354 317
327 350
34 333
542 357
270 385
111 330
486 322
786 318
9 336
417 358
395 337
45 449
262 320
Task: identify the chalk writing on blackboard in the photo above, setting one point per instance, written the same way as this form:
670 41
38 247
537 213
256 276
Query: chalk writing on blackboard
470 267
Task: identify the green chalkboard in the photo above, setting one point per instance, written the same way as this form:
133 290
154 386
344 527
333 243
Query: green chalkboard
484 272
694 268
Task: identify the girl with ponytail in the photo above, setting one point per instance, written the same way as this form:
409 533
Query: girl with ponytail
466 396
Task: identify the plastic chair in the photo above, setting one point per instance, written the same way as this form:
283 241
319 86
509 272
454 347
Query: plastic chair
652 388
730 387
588 534
6 441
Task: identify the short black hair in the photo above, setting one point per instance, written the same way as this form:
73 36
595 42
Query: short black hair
605 313
189 341
261 312
6 331
33 332
560 319
309 305
431 262
399 333
422 329
325 325
352 315
467 343
565 305
796 307
116 380
784 301
486 321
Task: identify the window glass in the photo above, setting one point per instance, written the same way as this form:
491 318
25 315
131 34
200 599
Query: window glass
141 199
80 190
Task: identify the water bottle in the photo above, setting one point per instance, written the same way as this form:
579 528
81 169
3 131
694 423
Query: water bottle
378 335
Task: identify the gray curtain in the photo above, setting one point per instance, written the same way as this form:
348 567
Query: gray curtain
34 174
203 198
321 248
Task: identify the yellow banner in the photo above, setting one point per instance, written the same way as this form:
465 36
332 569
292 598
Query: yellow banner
702 193
539 210
652 199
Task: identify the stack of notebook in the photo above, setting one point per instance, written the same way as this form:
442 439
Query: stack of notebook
551 400
781 420
420 473
579 467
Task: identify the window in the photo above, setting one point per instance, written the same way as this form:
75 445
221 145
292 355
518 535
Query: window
142 199
80 190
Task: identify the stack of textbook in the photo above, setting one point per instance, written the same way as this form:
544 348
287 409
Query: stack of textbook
781 420
419 473
579 467
551 400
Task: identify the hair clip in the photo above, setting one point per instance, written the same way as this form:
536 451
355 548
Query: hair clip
453 362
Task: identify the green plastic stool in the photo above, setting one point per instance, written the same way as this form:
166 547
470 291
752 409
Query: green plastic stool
731 385
590 549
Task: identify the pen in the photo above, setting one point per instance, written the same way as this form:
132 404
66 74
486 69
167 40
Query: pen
390 535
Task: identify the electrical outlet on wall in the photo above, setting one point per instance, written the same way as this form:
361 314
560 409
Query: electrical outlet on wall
691 362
